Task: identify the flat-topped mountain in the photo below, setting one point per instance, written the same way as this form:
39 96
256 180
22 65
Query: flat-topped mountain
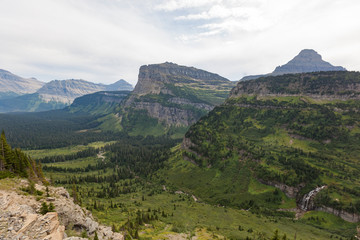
174 95
11 83
153 78
307 60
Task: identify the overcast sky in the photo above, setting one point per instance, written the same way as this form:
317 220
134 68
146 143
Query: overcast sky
107 40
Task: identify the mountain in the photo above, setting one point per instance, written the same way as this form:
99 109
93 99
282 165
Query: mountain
307 60
277 144
169 95
67 90
120 85
11 84
56 94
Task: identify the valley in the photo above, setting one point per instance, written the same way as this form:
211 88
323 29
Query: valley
189 154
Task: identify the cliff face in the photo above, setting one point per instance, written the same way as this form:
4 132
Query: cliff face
321 85
20 217
177 95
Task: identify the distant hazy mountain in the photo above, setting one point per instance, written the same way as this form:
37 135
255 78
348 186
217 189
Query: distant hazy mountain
120 85
11 84
307 60
52 95
67 90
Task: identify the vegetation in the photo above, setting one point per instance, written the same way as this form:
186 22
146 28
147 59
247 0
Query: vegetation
288 140
13 162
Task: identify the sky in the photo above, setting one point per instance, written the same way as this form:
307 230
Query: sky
106 40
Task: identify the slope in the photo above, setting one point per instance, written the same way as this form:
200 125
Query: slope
169 96
269 135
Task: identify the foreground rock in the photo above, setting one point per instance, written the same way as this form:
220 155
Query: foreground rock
20 217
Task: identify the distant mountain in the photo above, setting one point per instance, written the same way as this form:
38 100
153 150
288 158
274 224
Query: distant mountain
120 85
307 60
56 94
11 84
169 95
67 90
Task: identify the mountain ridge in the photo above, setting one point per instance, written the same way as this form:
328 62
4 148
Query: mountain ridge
10 82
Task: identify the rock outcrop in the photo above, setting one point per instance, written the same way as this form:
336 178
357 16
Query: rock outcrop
307 60
20 217
177 95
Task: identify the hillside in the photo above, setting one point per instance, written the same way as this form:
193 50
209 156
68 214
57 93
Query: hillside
12 85
307 60
99 103
172 96
293 132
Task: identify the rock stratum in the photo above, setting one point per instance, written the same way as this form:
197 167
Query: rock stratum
307 60
20 217
177 95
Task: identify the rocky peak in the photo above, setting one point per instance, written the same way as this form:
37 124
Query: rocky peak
307 60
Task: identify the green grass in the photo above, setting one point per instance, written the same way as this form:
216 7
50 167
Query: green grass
65 150
78 163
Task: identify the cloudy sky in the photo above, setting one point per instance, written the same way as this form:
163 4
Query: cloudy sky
106 40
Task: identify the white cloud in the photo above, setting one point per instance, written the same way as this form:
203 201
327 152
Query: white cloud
106 40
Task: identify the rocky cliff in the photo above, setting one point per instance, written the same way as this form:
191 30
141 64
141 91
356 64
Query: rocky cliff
320 85
307 60
10 82
177 95
20 216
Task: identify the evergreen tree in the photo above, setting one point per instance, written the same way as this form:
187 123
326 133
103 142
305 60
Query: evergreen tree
96 236
44 208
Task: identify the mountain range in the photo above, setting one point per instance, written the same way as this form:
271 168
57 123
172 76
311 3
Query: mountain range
307 60
279 151
30 95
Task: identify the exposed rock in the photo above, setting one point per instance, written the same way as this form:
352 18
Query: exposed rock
350 217
20 218
289 191
307 60
11 83
185 93
321 85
